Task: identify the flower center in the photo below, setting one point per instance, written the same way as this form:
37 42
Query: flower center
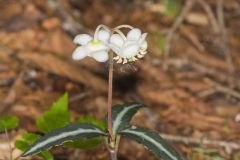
95 42
130 59
95 45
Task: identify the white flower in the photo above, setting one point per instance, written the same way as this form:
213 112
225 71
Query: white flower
129 48
95 47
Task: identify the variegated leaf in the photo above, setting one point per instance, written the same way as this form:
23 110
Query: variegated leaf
122 115
72 132
152 141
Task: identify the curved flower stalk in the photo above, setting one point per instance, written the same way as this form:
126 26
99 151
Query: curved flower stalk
128 48
93 46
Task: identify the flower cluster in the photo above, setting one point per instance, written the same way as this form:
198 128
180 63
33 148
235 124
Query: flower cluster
127 48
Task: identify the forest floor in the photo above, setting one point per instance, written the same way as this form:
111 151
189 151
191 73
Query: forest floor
189 80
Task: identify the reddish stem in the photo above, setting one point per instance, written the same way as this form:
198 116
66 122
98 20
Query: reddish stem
110 84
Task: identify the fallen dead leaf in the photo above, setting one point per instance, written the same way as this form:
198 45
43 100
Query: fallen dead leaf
65 68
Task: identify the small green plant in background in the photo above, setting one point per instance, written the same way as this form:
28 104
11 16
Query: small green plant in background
6 123
27 140
159 40
56 117
110 45
172 8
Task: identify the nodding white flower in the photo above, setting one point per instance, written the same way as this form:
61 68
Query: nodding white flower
95 47
129 48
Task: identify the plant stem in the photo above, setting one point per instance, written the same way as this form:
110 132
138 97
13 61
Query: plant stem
113 154
110 83
9 145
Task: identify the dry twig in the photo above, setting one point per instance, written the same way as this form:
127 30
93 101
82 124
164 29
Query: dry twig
69 23
223 89
193 38
225 48
79 96
12 95
229 146
210 14
178 62
174 27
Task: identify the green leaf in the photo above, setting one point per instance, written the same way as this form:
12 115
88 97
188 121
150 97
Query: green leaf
85 144
71 132
58 116
27 140
92 120
92 142
22 145
172 7
8 122
30 137
152 141
47 155
122 115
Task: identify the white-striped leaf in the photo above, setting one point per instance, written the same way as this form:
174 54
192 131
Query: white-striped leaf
122 115
152 141
72 132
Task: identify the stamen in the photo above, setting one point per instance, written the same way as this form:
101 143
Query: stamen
116 58
134 59
125 60
143 52
140 56
120 60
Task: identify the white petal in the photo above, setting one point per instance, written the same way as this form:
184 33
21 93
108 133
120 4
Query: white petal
130 50
143 38
101 56
79 53
134 34
144 45
115 49
82 39
117 40
103 35
94 47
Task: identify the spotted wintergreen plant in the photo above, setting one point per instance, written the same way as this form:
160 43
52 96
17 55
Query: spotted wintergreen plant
105 45
121 116
8 122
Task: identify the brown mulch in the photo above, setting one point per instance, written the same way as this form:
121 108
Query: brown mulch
196 96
